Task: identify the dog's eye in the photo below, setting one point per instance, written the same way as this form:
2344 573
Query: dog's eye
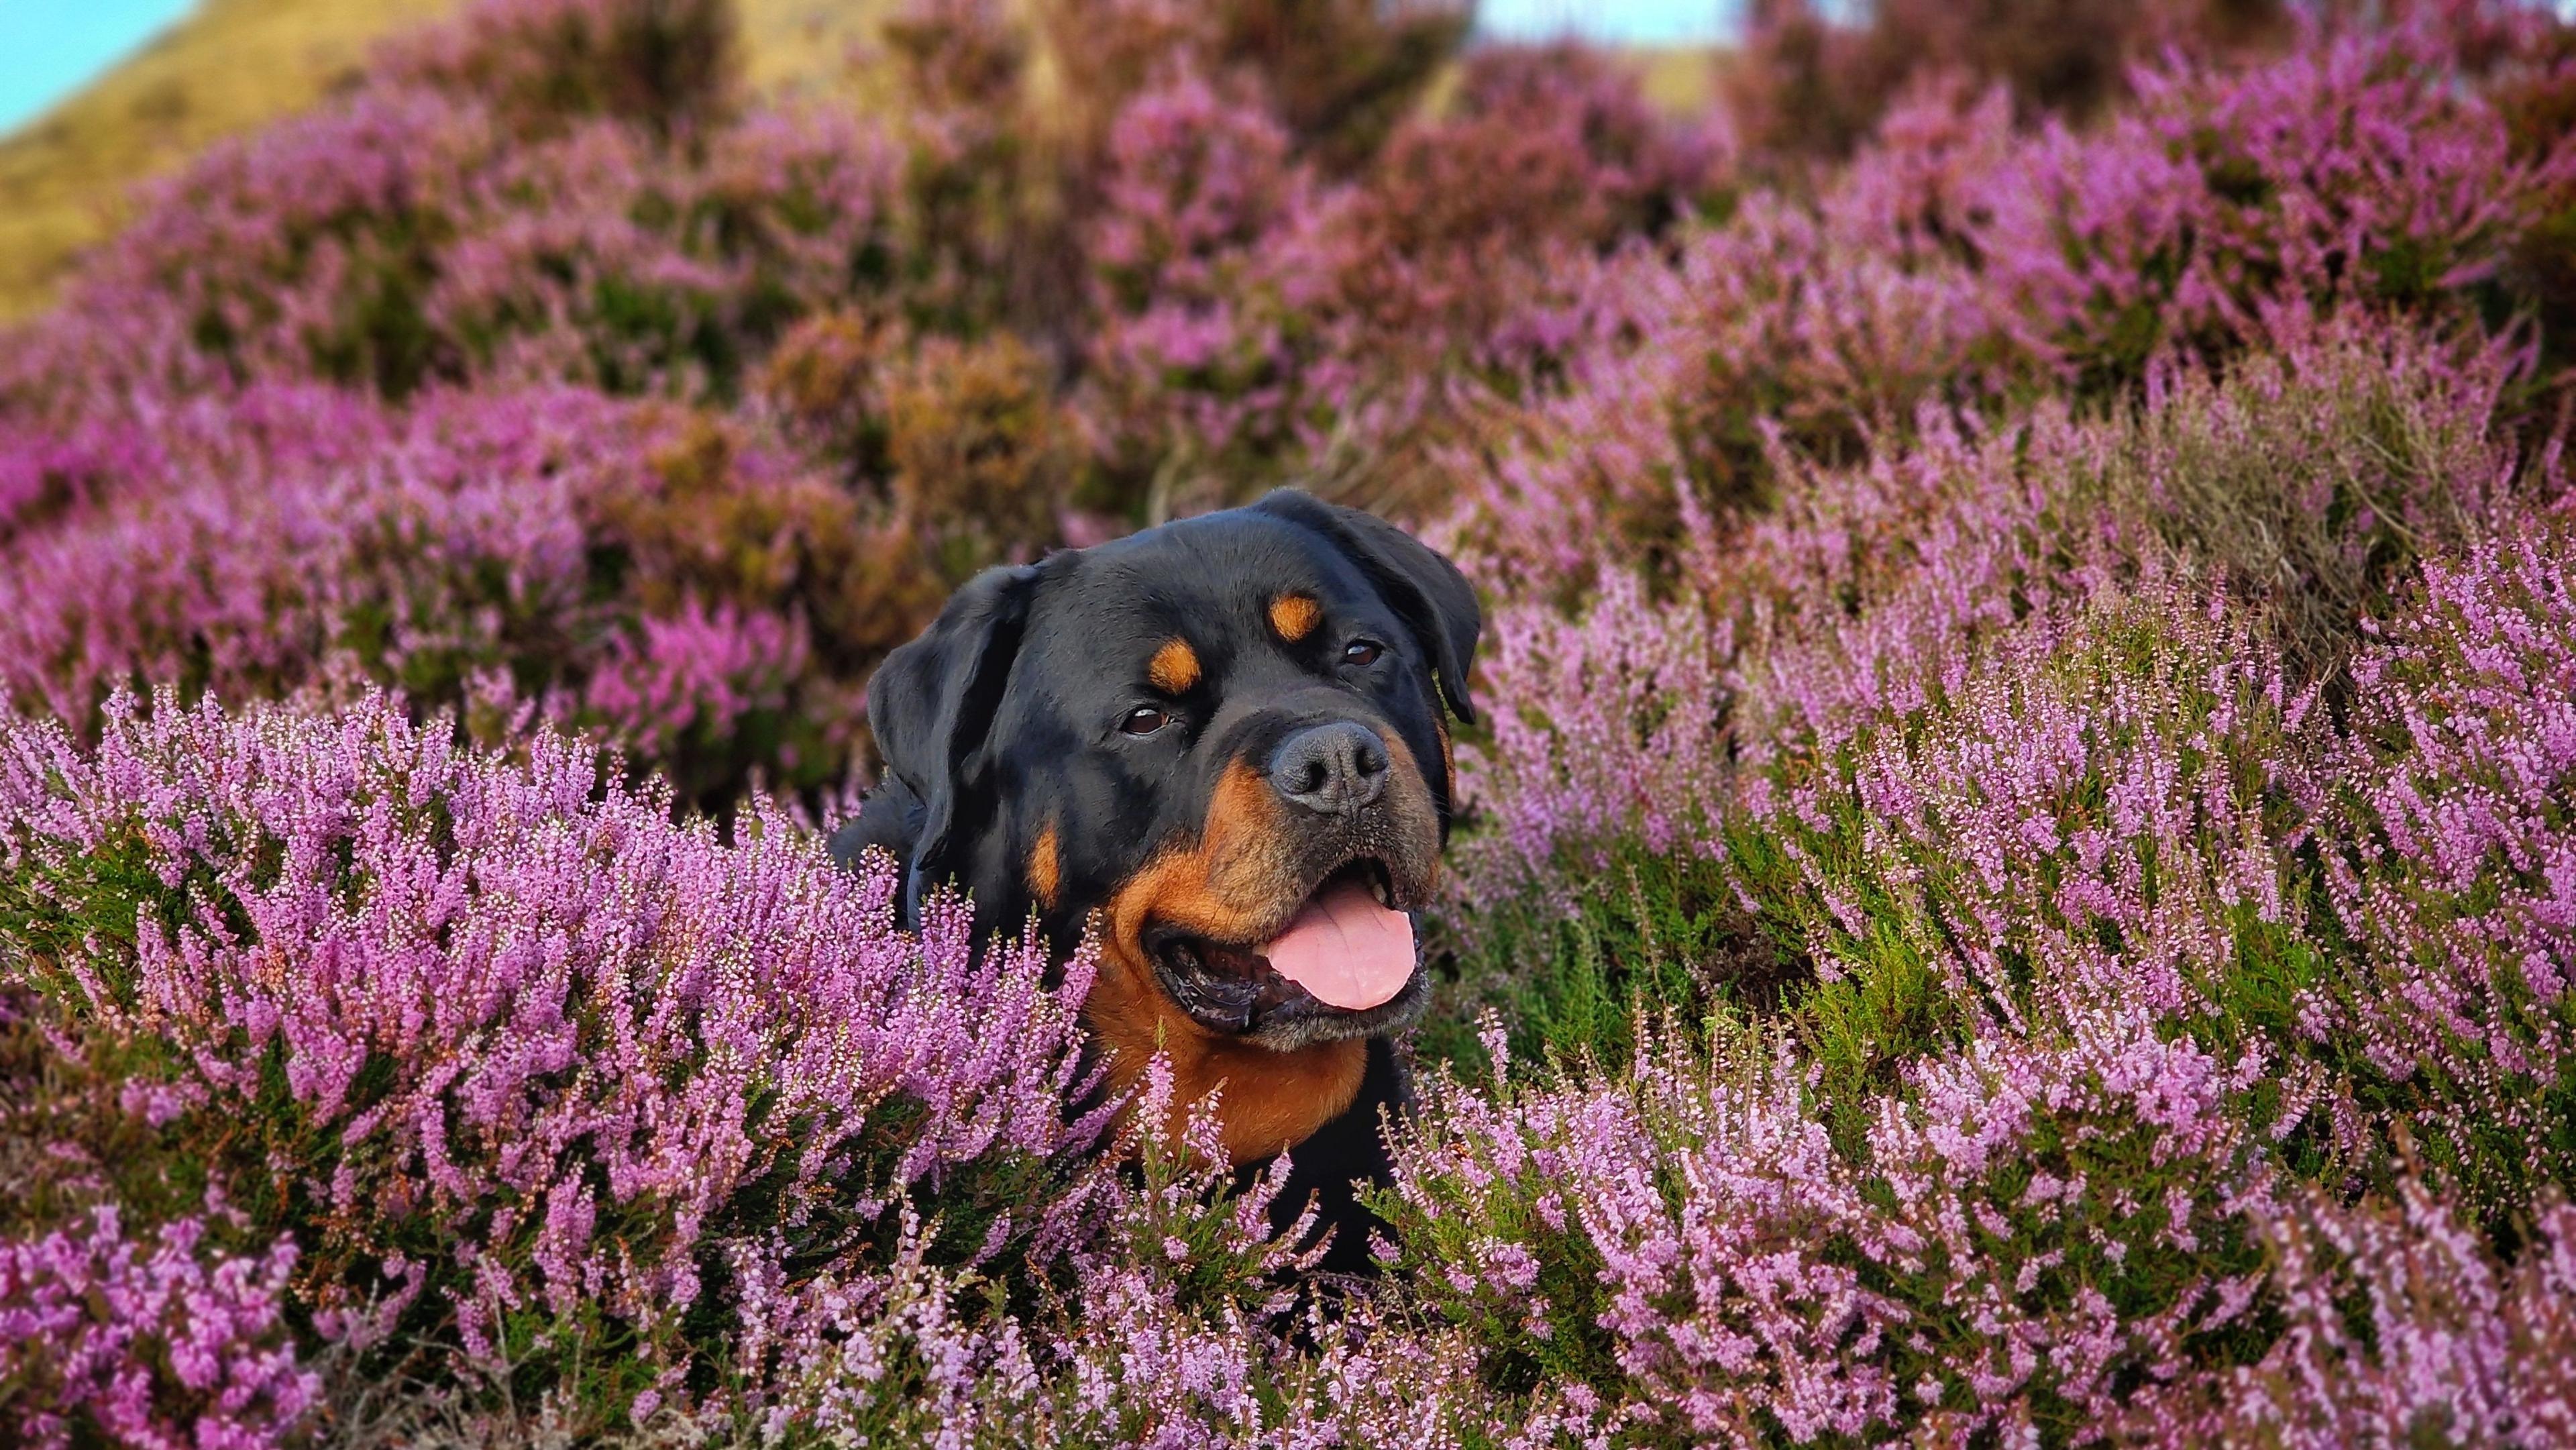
1145 720
1362 652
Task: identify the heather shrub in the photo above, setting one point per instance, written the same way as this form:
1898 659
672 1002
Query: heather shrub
972 246
2317 478
646 572
980 452
1190 1326
1957 264
1998 1163
2447 864
965 445
541 1085
1258 317
1588 888
1809 324
2369 167
1199 362
1343 73
650 272
825 383
1175 1320
2306 482
2070 768
2062 903
2401 1327
408 237
1605 726
1570 970
2027 1231
303 251
661 63
1807 85
2293 495
2070 1242
1339 74
1475 225
1159 210
2025 777
2098 809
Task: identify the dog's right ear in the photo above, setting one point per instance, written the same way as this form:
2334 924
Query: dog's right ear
931 707
1435 601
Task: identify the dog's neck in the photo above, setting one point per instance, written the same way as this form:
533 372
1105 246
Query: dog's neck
1268 1101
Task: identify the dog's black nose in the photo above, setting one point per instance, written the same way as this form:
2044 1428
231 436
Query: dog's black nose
1335 769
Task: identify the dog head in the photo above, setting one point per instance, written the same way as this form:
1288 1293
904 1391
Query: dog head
1221 744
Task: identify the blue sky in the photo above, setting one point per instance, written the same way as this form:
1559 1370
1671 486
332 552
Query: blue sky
48 48
1636 22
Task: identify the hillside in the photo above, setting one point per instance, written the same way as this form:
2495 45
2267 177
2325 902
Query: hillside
66 179
224 70
233 65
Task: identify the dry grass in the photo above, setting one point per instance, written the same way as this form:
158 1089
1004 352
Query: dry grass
804 47
1677 77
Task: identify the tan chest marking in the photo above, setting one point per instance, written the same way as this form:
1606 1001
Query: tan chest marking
1272 1100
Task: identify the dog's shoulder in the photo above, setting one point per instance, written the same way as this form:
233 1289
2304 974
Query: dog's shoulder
889 819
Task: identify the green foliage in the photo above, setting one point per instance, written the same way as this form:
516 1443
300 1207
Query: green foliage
1660 933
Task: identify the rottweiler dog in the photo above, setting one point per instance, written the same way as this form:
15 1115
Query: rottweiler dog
1220 745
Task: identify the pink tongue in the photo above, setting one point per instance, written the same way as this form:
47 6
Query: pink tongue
1346 949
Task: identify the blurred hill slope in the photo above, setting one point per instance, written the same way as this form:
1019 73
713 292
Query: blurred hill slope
228 67
233 65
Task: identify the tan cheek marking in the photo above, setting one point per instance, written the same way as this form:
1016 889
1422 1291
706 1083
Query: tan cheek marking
1175 668
1295 616
1046 868
1218 887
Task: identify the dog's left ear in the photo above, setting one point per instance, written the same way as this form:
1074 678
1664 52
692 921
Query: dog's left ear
931 707
1435 600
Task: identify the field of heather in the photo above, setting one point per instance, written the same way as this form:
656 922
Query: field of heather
2018 884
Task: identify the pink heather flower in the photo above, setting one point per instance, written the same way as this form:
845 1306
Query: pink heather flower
1959 261
525 1007
1611 725
2453 862
168 1342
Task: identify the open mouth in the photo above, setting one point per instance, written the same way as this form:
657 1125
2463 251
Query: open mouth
1345 951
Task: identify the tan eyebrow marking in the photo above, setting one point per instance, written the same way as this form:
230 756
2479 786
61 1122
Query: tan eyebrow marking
1046 867
1175 668
1295 616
